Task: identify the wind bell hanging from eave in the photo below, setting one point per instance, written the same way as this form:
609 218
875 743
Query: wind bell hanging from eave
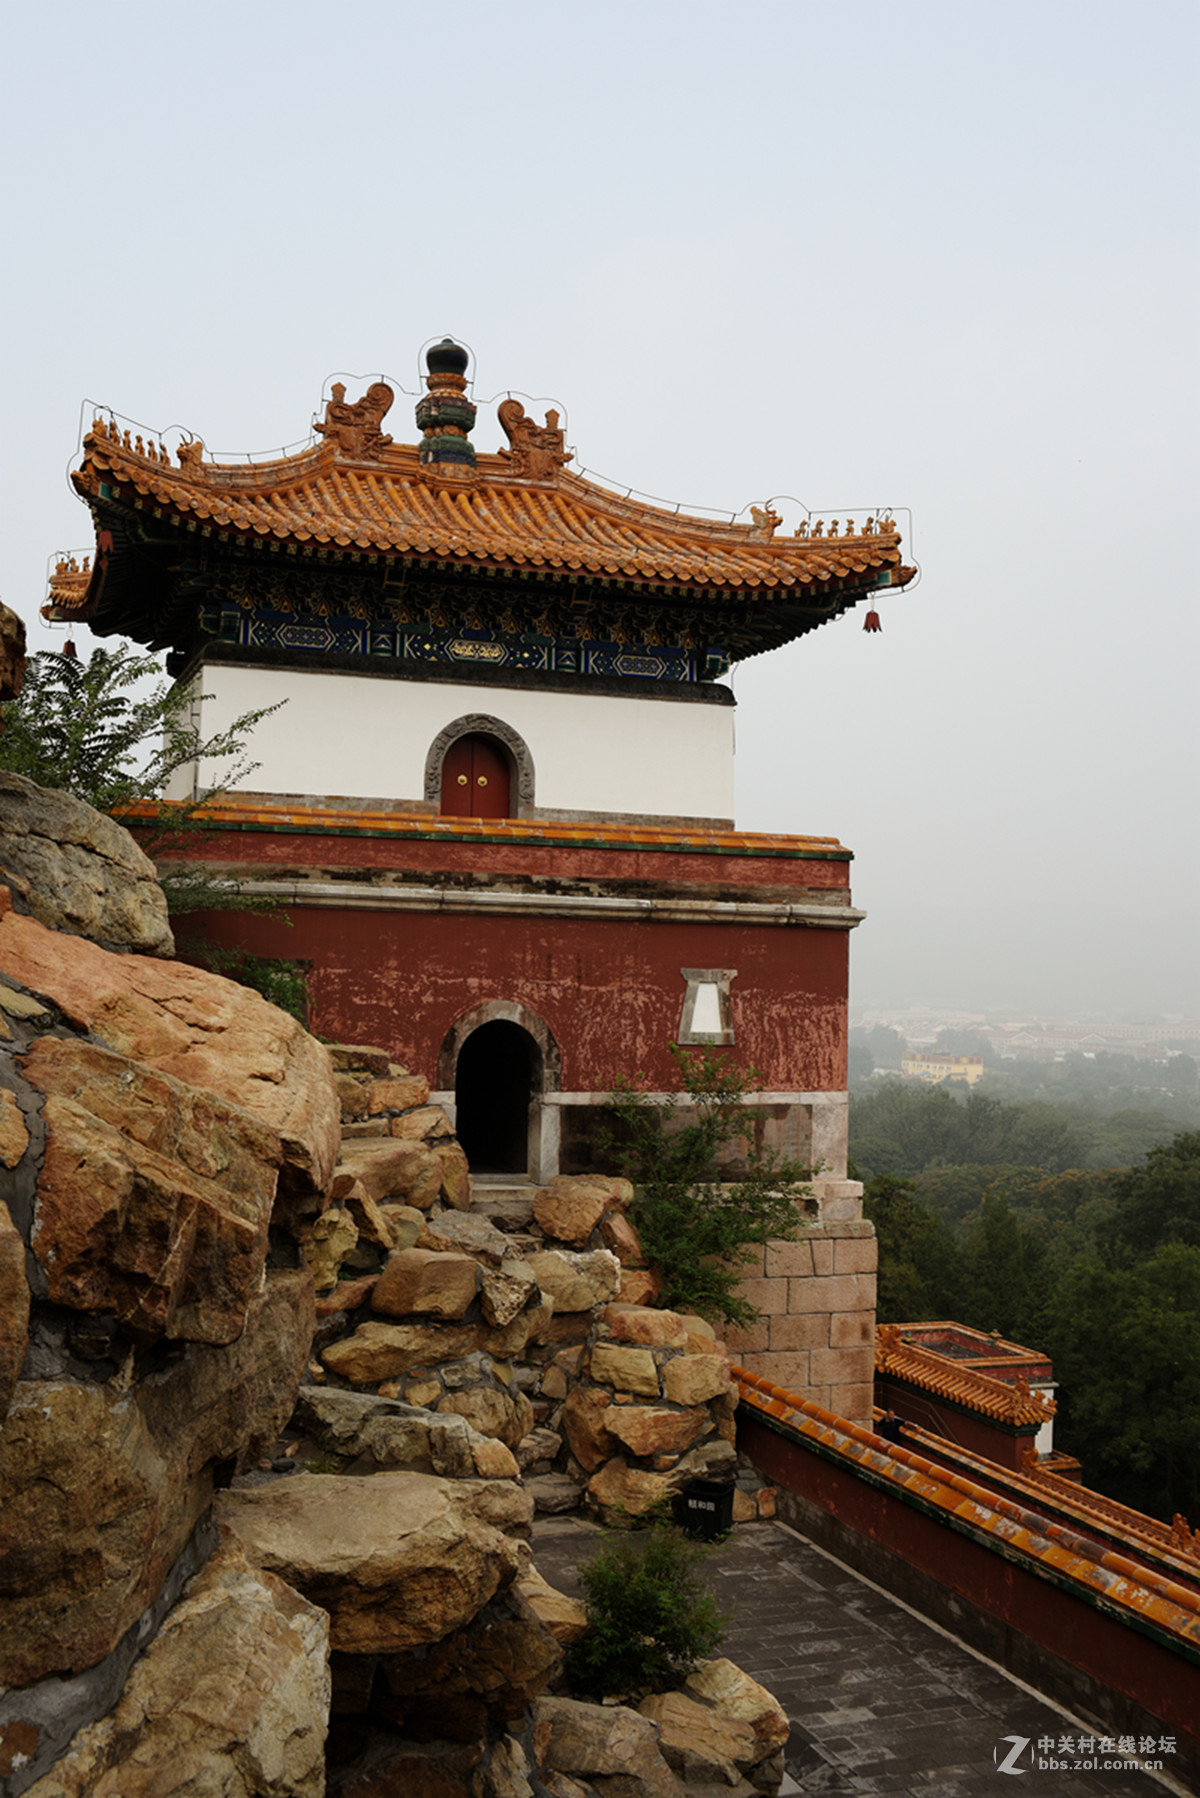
871 621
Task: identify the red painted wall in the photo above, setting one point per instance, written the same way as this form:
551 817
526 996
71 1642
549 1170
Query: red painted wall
787 875
980 1434
1112 1653
610 992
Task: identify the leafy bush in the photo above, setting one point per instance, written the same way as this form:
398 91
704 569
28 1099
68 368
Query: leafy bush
284 983
697 1229
650 1618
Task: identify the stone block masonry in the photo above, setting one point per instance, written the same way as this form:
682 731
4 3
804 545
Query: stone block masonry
816 1298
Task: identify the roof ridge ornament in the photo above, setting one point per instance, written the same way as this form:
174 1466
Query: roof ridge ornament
354 429
445 415
535 452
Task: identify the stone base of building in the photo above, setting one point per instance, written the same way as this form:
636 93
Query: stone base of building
816 1296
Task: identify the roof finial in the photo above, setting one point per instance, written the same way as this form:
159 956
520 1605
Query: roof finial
445 414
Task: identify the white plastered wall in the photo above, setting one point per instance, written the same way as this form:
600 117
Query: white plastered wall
362 738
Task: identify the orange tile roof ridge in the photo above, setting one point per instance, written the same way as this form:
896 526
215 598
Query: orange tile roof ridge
395 504
1062 1553
1014 1403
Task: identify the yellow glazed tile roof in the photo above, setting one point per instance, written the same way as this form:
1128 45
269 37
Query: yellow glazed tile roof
393 505
1141 1594
1013 1403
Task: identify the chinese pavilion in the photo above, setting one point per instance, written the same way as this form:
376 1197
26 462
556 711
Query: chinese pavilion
498 802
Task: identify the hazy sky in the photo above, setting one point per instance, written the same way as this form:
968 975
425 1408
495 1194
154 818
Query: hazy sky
934 257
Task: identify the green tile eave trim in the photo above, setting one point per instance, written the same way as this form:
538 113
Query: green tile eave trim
1177 1645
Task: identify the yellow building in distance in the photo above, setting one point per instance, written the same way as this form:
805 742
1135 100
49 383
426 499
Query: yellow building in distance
917 1066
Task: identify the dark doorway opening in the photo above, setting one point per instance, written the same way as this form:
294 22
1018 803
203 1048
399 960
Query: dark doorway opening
498 1067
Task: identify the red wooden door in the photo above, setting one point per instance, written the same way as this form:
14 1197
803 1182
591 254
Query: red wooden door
475 779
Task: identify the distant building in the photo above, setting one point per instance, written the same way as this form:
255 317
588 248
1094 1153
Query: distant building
916 1065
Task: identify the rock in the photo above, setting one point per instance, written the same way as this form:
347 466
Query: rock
405 1223
639 1285
493 1459
564 1617
373 1224
576 1282
570 1209
12 653
765 1501
392 1169
347 1295
399 1560
14 1310
378 1352
711 1460
619 1235
650 1430
734 1695
396 1094
507 1290
492 1411
392 1434
412 1770
621 1492
353 1058
553 1493
100 1487
82 872
456 1175
196 1027
420 1125
154 1198
744 1508
352 1095
539 1445
467 1233
655 1329
506 1774
427 1283
500 1659
585 1426
598 1741
701 1745
331 1239
14 1137
628 1369
231 1698
691 1379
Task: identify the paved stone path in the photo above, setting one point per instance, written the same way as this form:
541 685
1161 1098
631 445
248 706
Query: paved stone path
882 1704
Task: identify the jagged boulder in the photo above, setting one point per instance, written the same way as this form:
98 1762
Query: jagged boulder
399 1560
231 1700
80 871
101 1483
194 1026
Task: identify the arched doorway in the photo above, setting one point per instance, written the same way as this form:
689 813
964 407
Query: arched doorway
477 778
454 786
498 1063
498 1073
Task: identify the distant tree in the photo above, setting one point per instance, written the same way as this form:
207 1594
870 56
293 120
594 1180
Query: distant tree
1008 1279
1126 1347
966 1042
919 1274
1160 1203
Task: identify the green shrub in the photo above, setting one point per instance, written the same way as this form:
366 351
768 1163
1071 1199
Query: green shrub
649 1617
696 1228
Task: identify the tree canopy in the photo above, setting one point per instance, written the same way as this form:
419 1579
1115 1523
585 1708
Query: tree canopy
91 728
